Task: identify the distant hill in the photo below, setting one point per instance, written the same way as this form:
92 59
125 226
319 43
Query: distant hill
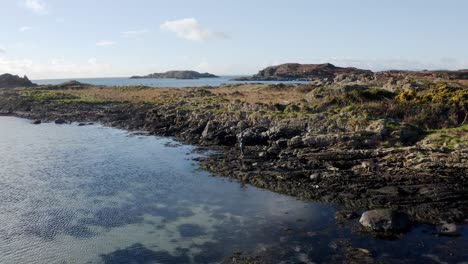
176 75
443 74
304 72
11 81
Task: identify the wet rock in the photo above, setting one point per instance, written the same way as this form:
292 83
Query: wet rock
295 142
384 220
60 121
252 137
314 176
447 229
345 215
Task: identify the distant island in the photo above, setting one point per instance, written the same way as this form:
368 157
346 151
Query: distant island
11 81
176 75
303 72
329 73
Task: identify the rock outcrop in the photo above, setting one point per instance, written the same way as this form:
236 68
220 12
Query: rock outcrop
384 220
12 81
176 75
306 72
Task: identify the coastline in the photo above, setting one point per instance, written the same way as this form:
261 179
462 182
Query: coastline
282 156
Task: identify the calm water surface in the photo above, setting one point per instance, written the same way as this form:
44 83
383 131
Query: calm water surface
93 194
123 81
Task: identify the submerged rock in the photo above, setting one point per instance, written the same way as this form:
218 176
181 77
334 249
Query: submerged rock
384 220
345 215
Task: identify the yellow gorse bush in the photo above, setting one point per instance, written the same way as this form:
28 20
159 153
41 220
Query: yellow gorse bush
441 93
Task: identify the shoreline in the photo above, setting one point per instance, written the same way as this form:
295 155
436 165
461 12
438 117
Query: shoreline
282 156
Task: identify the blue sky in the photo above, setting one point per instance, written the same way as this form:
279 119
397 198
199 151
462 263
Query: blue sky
90 38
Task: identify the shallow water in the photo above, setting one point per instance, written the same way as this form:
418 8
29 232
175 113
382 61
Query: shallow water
93 194
123 81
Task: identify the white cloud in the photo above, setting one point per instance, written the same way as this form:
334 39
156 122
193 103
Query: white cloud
37 6
134 33
190 29
24 28
55 68
2 51
105 43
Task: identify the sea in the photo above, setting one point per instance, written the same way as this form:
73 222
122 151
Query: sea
124 81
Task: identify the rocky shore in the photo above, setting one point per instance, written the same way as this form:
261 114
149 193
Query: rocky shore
332 144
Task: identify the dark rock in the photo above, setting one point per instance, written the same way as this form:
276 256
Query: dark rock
345 215
253 137
72 84
409 134
36 122
60 121
11 81
295 142
384 220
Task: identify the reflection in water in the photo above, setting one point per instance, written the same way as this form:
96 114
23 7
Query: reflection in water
91 194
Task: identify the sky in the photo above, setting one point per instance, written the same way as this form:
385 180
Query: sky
110 38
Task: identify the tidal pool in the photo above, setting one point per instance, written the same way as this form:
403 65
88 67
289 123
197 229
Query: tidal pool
94 194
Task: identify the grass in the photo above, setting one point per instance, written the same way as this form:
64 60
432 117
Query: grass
439 106
447 138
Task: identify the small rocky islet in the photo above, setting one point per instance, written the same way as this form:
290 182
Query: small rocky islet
181 75
393 143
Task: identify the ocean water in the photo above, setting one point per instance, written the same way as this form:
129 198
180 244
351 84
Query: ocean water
157 82
94 194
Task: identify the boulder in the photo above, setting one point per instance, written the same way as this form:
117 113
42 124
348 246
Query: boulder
378 127
384 220
409 134
447 229
295 142
60 121
253 137
210 128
